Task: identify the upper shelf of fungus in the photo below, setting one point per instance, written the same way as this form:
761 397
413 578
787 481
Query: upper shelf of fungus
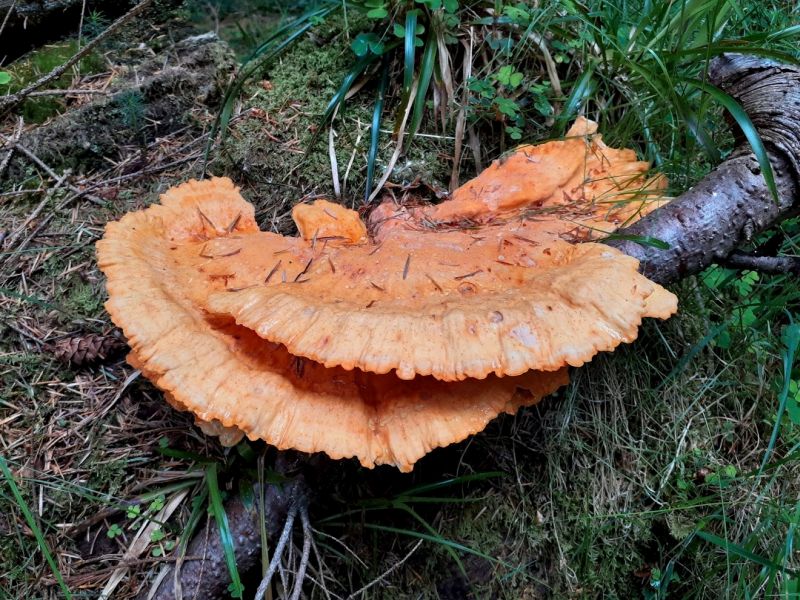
386 339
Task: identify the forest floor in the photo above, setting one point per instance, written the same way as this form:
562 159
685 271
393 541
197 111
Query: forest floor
656 473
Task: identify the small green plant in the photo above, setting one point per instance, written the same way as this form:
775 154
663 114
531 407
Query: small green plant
722 478
157 504
655 578
500 97
163 549
793 402
131 108
96 22
114 531
157 535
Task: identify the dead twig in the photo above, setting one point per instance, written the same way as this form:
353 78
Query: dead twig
286 534
34 213
386 573
67 93
461 120
773 265
47 169
301 570
8 14
549 63
10 153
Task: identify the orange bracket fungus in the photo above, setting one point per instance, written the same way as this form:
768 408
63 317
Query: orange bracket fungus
383 346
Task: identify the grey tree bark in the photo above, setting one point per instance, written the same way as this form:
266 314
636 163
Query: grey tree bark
724 211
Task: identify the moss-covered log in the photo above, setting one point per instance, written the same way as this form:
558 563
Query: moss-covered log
146 102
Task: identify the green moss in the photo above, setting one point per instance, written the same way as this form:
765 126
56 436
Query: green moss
280 148
84 300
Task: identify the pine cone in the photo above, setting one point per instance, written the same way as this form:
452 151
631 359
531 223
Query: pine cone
84 350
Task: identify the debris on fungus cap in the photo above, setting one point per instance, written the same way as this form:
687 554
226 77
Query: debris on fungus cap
163 262
577 186
452 305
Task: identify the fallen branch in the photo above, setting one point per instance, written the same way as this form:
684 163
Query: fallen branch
7 103
732 204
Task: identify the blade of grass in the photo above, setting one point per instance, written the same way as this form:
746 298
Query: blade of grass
425 74
266 51
787 33
431 538
432 532
25 298
184 455
791 341
198 510
742 552
308 17
347 82
580 91
693 352
400 129
409 50
34 526
788 549
428 487
375 132
699 132
224 531
642 240
715 49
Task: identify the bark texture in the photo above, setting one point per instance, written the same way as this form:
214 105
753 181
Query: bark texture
732 204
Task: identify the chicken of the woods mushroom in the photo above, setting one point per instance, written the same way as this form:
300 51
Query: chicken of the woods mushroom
386 339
